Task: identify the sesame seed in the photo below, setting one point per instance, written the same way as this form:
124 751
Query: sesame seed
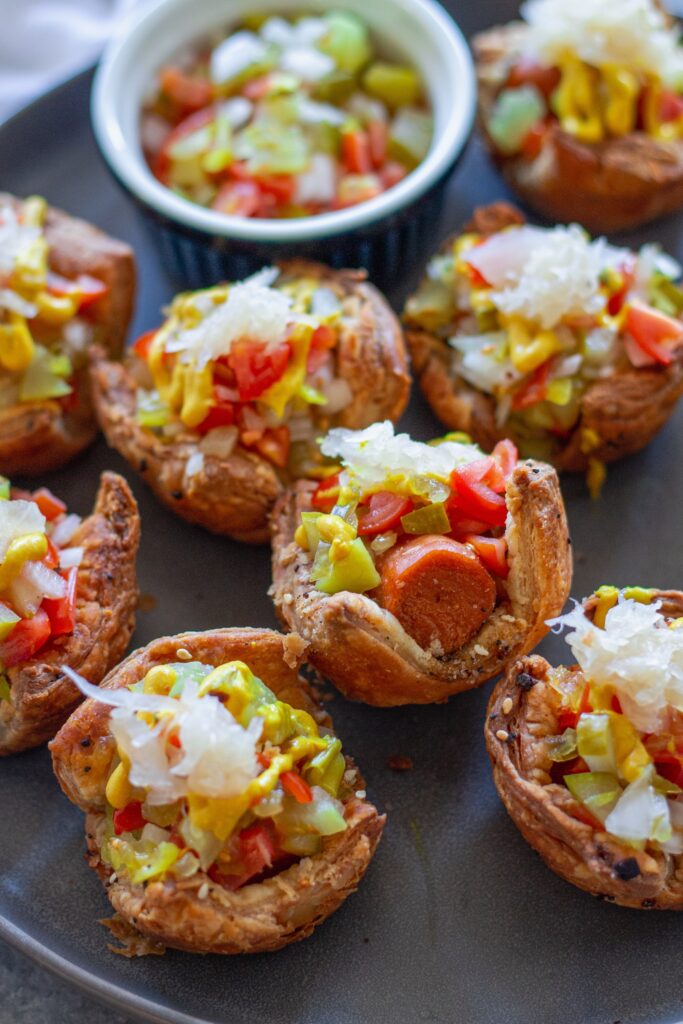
502 735
508 618
182 654
478 649
288 598
507 705
360 793
112 878
203 891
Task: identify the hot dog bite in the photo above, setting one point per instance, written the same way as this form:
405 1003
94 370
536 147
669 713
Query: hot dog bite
414 569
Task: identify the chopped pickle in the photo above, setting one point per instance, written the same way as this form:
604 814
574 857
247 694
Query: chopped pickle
598 791
431 518
393 84
432 306
666 296
46 377
5 690
335 87
410 136
5 488
327 768
8 620
346 41
563 748
269 147
514 114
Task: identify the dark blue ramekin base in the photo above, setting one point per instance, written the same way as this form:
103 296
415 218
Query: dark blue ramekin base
387 250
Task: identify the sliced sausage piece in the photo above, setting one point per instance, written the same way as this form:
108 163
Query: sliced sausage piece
438 590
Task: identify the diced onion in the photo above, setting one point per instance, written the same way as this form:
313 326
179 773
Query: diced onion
219 442
16 303
64 529
235 54
71 557
49 583
194 465
308 64
338 394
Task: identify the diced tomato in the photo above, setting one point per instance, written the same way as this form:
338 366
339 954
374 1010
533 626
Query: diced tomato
174 740
238 198
187 93
532 143
636 355
128 818
492 551
392 173
506 455
62 610
652 330
26 639
378 139
355 152
143 344
258 847
383 513
527 72
477 279
295 786
323 339
281 186
628 273
274 445
461 525
670 106
670 766
257 366
162 162
49 505
51 560
19 494
222 412
326 493
567 718
474 497
533 389
615 704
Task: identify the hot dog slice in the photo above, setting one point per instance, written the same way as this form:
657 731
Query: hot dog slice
438 590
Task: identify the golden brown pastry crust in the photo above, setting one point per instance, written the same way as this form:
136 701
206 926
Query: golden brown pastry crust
609 186
235 495
545 812
364 650
42 697
625 410
36 437
256 918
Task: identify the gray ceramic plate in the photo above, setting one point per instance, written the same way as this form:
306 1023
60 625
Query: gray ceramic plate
457 919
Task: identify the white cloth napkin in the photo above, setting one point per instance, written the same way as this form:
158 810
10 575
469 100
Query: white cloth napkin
42 42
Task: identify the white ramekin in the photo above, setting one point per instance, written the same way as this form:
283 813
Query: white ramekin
201 243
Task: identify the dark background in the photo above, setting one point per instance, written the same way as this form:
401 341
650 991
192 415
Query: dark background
458 921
